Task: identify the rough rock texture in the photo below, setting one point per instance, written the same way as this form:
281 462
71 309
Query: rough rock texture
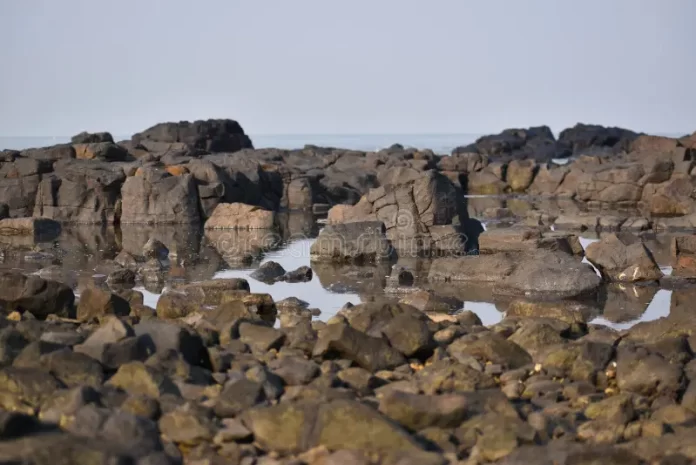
355 242
240 216
157 197
417 211
623 259
222 135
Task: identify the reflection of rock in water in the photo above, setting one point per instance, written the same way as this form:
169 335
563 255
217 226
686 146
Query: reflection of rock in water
351 278
407 275
297 225
682 302
564 310
183 240
241 248
623 303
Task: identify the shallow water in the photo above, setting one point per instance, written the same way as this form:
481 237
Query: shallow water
78 256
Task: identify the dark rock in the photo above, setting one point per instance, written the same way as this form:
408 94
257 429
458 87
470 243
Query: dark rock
221 135
152 198
97 303
138 379
237 396
155 249
550 274
80 191
301 275
641 372
371 353
417 412
35 295
92 138
162 336
269 272
294 370
490 347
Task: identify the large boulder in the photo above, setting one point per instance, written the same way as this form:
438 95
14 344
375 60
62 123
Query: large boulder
240 216
550 274
105 151
582 137
19 182
91 138
154 196
532 143
221 135
363 242
623 259
418 211
80 192
35 295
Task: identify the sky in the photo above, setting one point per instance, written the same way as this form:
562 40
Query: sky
352 67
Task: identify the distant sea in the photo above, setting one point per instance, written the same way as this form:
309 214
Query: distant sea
439 143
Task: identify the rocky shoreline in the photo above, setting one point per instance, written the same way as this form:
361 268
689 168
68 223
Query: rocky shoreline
219 373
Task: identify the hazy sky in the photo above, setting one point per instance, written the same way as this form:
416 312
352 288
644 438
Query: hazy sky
358 66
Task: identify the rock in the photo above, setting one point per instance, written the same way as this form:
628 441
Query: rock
409 335
52 153
260 337
155 249
616 409
240 216
552 274
261 305
581 137
138 379
114 343
80 191
683 255
490 347
91 138
268 272
153 198
30 386
237 396
418 213
416 412
429 301
581 360
371 353
483 268
647 374
123 277
623 260
70 449
520 174
537 336
302 274
213 135
106 151
213 291
35 295
357 242
337 425
187 425
96 303
172 305
163 337
295 371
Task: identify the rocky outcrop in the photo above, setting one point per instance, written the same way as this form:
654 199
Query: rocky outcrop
222 135
623 259
418 213
80 192
155 196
